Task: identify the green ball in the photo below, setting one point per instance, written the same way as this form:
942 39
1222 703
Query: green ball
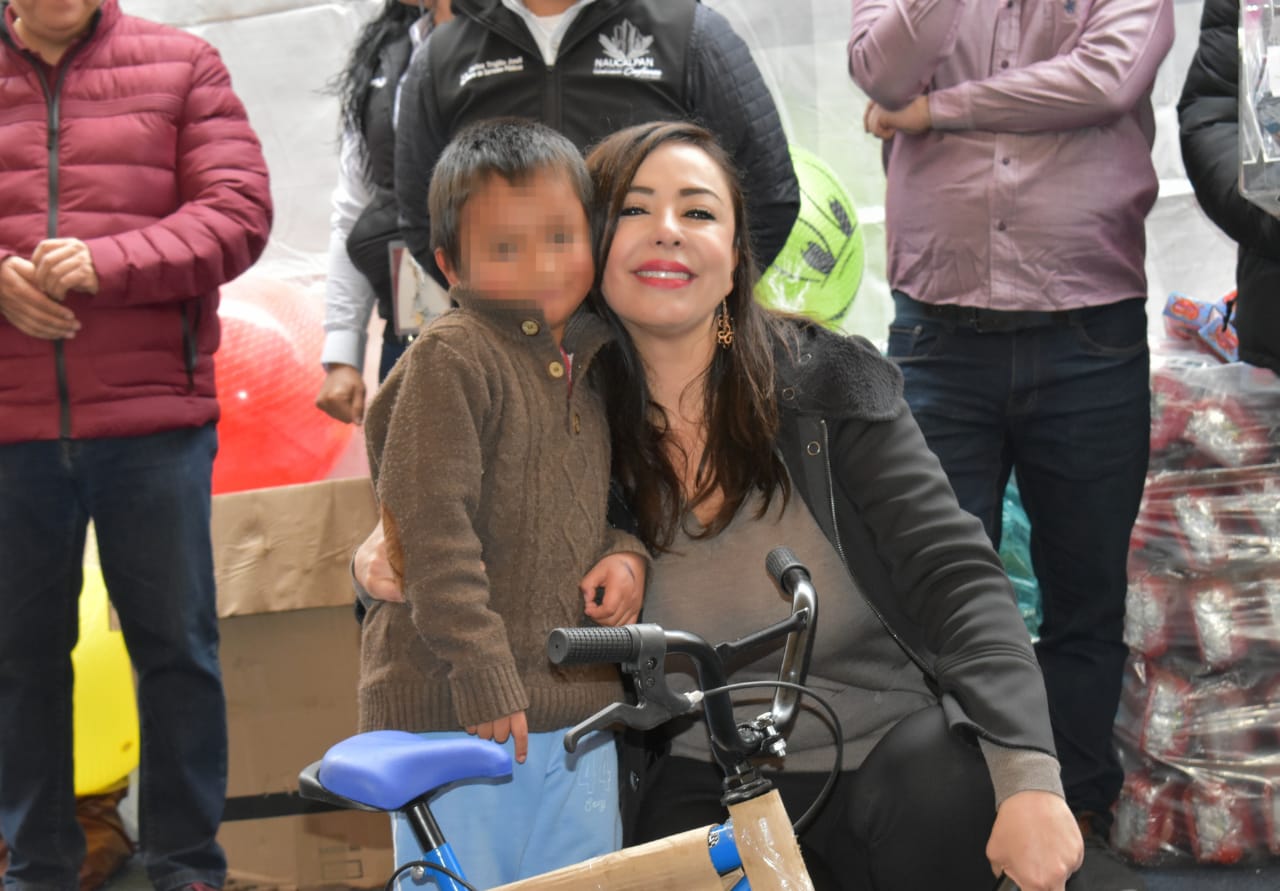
818 270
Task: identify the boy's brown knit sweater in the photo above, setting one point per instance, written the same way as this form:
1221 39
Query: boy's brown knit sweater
492 472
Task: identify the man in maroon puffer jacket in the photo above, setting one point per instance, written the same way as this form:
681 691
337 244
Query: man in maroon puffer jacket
131 187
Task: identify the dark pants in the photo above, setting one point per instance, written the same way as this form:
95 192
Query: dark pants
1066 406
149 498
393 346
917 814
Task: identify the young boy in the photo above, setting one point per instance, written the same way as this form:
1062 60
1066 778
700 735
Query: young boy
489 450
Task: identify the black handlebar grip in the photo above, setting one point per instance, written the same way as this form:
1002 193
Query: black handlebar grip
780 560
578 646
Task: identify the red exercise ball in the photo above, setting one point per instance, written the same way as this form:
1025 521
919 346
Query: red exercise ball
268 373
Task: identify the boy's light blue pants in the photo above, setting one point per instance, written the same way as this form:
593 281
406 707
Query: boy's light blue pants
554 810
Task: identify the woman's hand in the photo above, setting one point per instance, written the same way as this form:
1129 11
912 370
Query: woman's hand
613 591
513 725
1035 841
372 568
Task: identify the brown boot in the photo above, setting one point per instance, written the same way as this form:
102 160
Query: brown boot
107 846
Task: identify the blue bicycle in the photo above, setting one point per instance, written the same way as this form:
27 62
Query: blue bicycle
397 771
755 848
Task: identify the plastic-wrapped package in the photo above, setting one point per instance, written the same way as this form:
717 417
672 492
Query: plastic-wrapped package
1149 827
1205 414
1199 721
1220 821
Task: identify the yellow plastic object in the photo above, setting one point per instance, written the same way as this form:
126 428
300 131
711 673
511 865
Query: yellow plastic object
106 714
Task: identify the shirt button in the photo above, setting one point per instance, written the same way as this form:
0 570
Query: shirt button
529 327
813 448
1004 161
1001 226
1004 64
789 393
556 370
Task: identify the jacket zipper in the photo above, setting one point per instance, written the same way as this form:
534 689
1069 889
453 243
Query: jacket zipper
835 528
54 111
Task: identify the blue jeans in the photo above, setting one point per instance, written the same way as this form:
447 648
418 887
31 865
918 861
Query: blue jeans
149 498
554 810
1067 407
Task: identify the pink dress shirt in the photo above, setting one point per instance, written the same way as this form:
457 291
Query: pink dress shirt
1031 189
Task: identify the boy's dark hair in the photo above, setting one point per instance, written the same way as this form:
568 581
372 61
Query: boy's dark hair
512 148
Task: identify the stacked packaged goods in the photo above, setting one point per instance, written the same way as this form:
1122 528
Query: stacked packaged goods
1199 723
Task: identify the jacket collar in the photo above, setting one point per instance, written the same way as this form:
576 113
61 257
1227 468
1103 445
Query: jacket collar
522 322
836 376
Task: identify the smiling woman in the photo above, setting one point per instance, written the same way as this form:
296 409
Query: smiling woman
673 248
790 433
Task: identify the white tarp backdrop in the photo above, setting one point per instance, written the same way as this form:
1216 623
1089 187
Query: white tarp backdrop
281 54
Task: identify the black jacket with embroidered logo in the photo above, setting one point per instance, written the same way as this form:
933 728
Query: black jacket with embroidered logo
622 62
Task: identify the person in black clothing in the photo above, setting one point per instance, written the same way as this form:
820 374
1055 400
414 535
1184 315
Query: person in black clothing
1208 115
589 68
364 220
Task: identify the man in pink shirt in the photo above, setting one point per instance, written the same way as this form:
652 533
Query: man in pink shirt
1019 178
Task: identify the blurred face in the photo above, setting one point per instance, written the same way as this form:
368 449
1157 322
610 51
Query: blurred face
526 241
672 258
53 25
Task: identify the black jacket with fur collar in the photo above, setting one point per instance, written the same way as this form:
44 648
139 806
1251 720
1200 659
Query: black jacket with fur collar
927 568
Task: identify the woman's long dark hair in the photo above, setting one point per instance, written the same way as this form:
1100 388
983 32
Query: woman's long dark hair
352 84
740 411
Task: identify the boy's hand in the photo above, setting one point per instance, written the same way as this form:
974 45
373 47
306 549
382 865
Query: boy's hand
621 579
498 731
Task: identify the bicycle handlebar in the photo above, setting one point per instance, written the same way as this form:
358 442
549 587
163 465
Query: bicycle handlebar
577 646
642 649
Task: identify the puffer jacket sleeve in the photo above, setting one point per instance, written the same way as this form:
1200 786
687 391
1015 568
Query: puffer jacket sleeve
222 222
948 580
729 97
1208 117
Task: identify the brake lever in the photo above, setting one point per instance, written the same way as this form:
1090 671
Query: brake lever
642 717
658 703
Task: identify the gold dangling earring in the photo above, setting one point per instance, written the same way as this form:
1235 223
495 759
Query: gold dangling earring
724 326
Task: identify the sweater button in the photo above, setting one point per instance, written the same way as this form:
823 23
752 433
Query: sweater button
530 327
556 370
813 448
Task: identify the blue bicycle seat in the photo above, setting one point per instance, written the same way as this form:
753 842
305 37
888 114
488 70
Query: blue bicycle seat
388 769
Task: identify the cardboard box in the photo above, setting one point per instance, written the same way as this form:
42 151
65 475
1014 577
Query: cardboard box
290 657
347 849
